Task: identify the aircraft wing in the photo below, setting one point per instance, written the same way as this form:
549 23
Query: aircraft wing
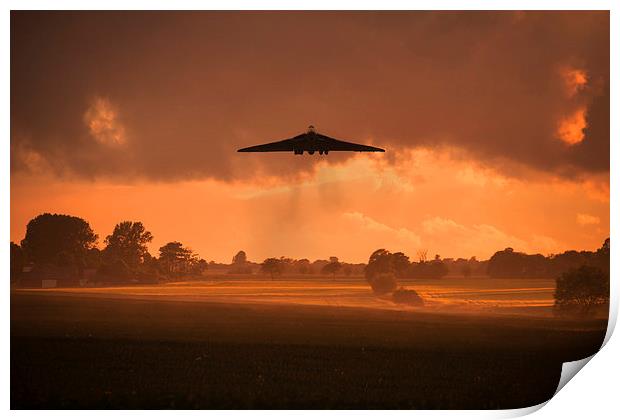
345 146
276 146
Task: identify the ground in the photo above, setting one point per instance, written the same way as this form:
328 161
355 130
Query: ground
112 349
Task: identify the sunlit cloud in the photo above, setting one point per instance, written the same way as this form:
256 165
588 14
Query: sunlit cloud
481 239
587 219
571 128
103 123
391 236
574 79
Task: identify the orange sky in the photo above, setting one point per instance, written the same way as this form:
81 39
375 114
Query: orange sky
429 201
496 127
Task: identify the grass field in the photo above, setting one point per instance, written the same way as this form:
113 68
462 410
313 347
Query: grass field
113 348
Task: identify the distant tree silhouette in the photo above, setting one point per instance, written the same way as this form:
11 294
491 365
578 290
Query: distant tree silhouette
347 270
303 266
604 249
332 268
602 256
150 270
240 264
286 265
58 238
508 264
380 270
435 269
581 289
422 253
199 266
511 264
401 264
17 261
125 249
272 266
383 283
380 261
176 259
240 258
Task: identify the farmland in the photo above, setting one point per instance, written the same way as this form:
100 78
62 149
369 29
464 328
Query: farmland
290 344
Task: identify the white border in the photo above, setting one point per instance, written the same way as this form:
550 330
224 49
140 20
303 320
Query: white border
592 395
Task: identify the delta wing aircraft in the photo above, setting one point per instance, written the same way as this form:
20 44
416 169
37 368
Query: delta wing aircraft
311 141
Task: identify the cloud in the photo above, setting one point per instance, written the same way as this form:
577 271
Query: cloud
587 219
571 129
484 238
102 121
443 235
575 80
25 157
192 87
391 237
468 239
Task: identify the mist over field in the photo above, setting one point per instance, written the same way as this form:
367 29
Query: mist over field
483 296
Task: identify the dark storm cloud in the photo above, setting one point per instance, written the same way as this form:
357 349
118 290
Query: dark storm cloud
172 95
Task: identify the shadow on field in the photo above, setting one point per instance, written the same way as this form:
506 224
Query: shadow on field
106 354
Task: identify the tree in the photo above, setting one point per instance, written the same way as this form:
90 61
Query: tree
401 264
347 270
175 259
380 261
200 266
17 261
332 268
54 238
602 256
303 266
435 269
604 249
286 265
581 289
128 243
272 266
240 264
383 283
510 264
381 269
240 258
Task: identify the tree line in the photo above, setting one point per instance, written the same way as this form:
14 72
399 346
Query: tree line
582 278
65 246
512 264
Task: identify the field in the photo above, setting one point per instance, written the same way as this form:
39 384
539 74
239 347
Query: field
291 344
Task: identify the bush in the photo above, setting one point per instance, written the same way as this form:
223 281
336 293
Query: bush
383 283
407 297
582 289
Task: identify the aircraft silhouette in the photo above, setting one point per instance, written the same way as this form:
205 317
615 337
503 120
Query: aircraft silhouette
311 141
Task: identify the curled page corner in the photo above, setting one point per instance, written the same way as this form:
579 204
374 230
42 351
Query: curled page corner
569 370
